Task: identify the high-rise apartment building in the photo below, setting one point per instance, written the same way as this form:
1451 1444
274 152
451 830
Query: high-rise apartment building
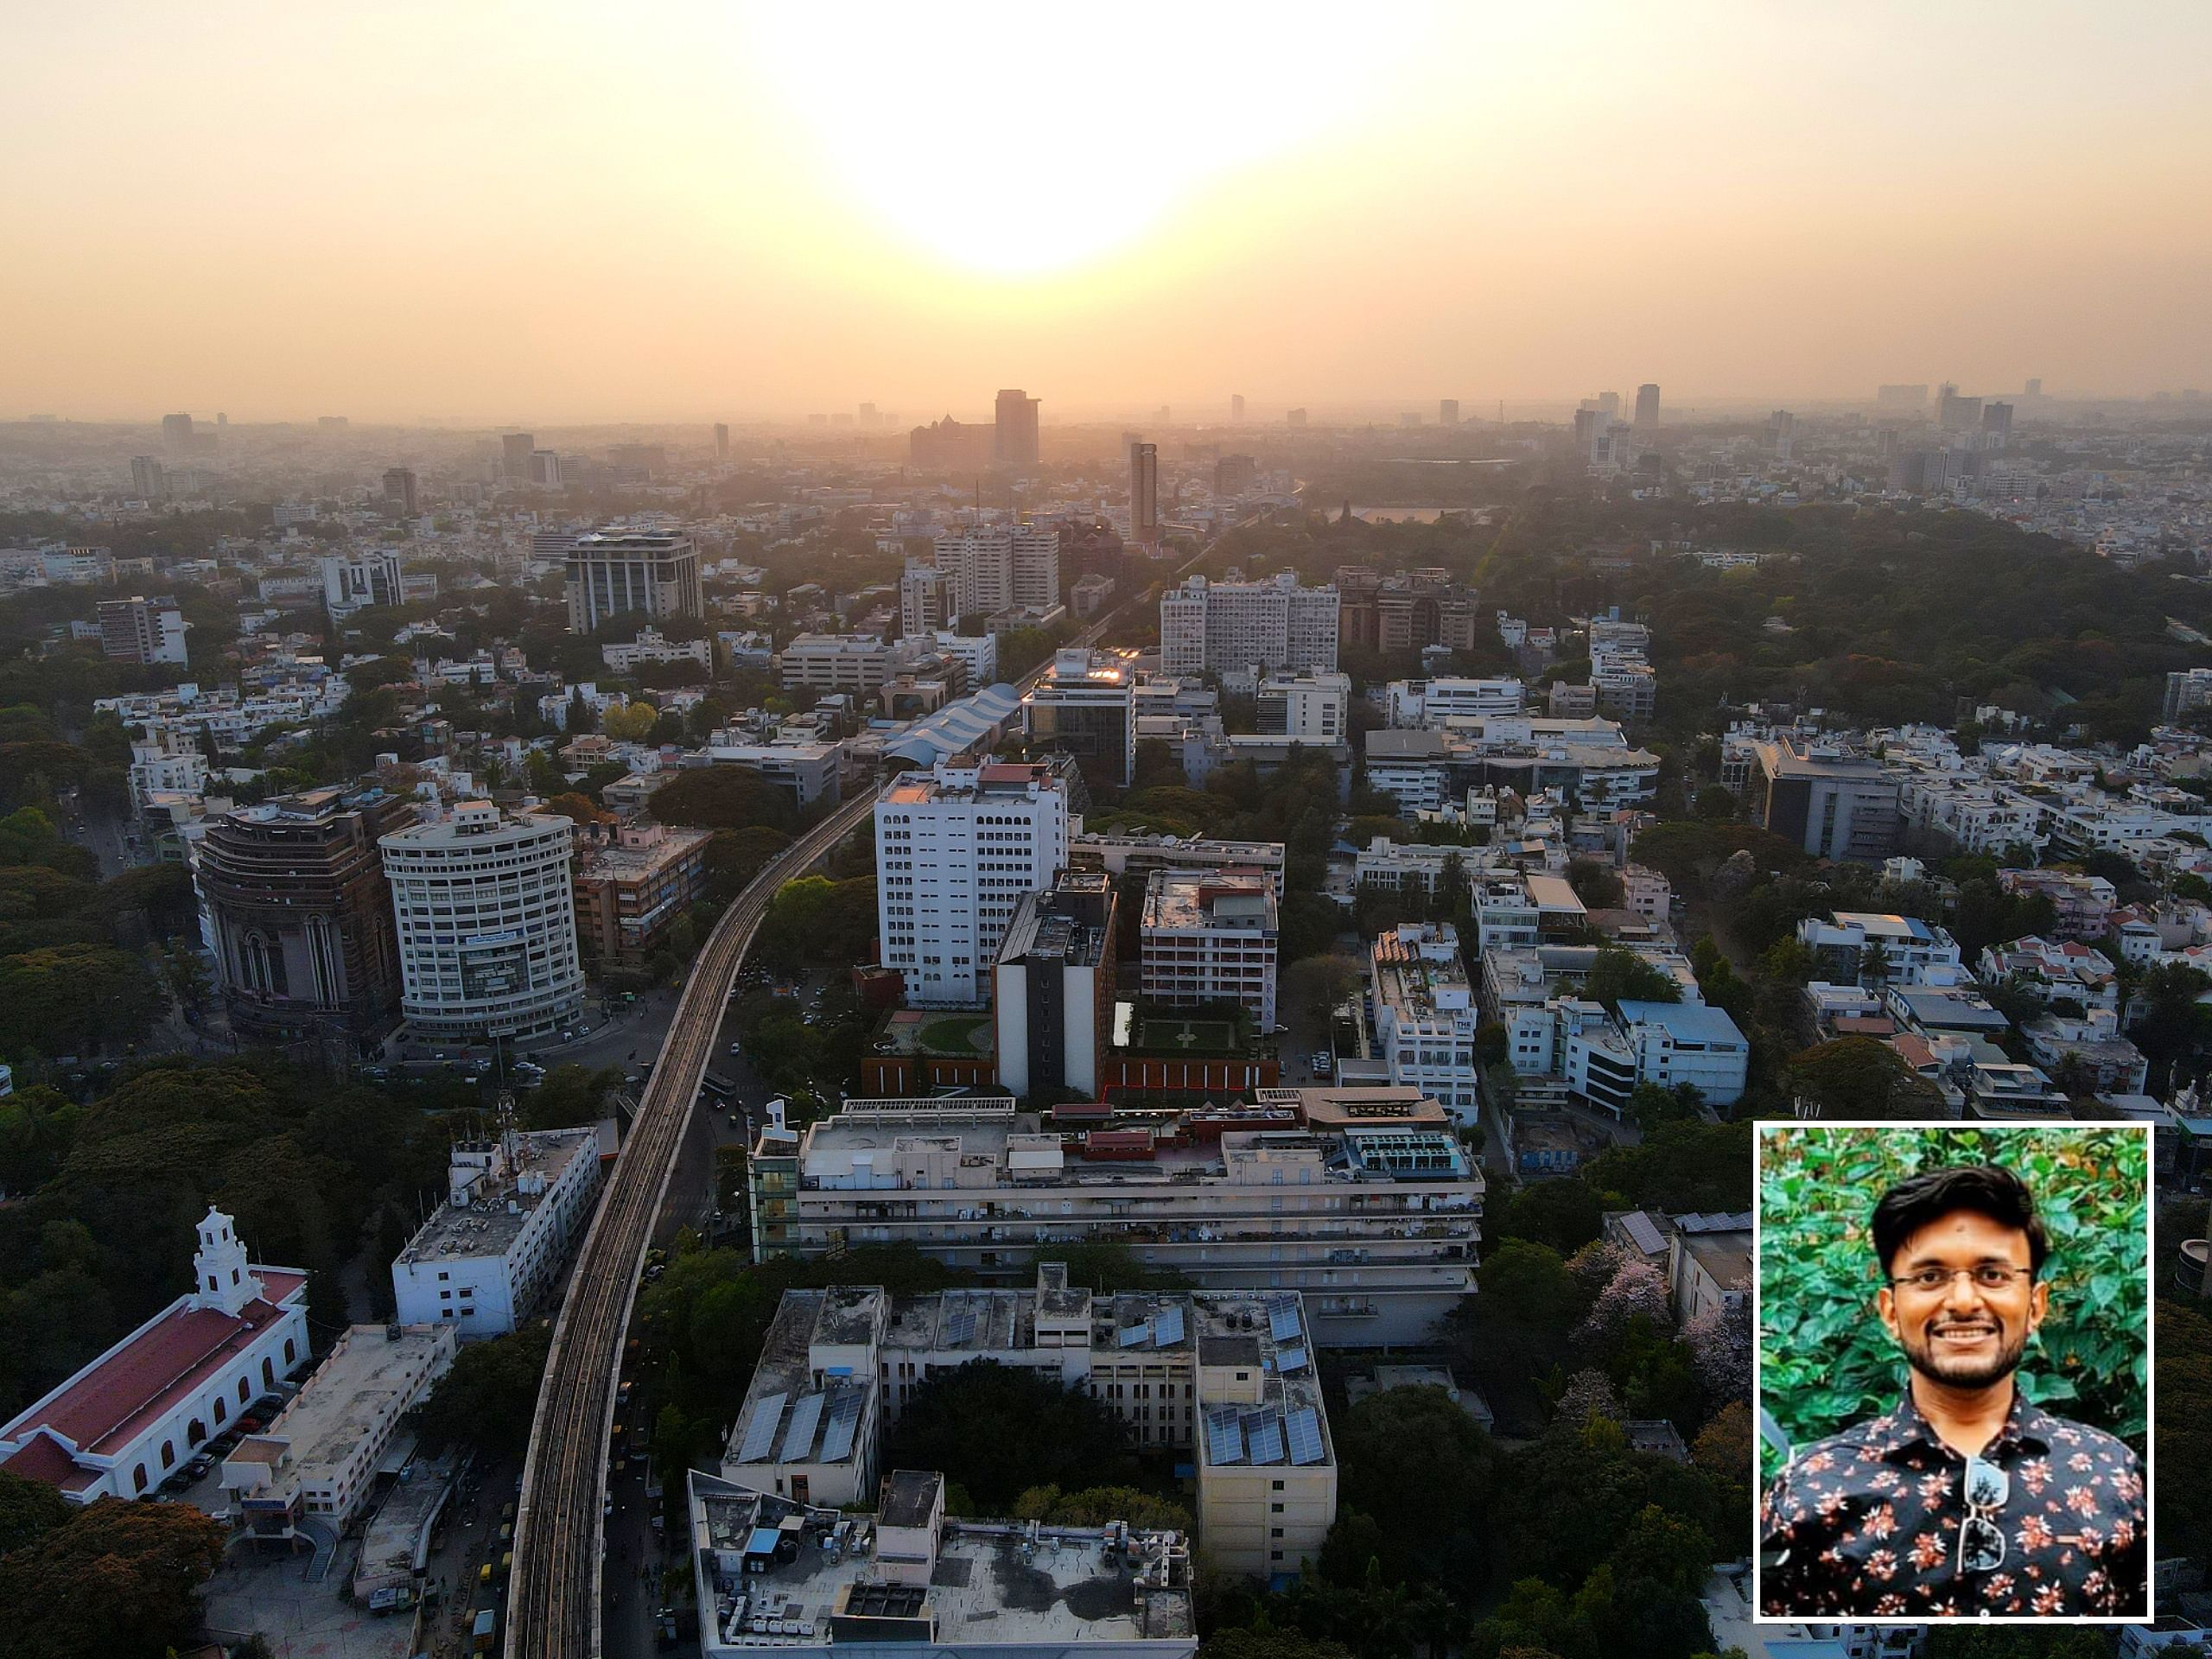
1213 627
1294 417
1647 408
148 482
515 449
142 630
1053 1000
487 915
300 913
1014 439
956 850
928 600
1144 493
176 433
1447 411
399 488
1955 413
1312 704
1997 420
545 469
1085 706
1237 408
1211 937
617 572
721 440
1000 568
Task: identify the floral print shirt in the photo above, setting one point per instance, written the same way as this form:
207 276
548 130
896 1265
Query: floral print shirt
1867 1523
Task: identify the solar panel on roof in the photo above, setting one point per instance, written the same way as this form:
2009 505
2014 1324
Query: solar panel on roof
760 1433
1130 1335
798 1438
1292 1359
1283 1321
960 1329
1264 1437
1167 1329
1225 1439
844 1419
1305 1427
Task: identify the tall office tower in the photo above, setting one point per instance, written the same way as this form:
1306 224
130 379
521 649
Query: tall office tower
1447 411
141 630
956 850
614 572
1997 420
1295 417
300 913
2034 389
399 487
148 482
1001 567
545 468
1647 408
1237 408
1589 432
1610 403
721 440
176 433
1016 444
1217 627
928 600
1781 433
1958 414
1144 493
1085 706
221 419
486 911
515 449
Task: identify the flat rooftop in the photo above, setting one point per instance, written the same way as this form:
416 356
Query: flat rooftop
1071 1584
1193 899
484 1226
354 1392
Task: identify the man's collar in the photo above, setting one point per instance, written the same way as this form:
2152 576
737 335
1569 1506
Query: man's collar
1903 1428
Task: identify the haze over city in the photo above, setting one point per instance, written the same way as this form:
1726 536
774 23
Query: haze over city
557 214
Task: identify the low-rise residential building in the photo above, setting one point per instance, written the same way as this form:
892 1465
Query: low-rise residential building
1678 1043
2083 904
317 1461
651 646
1425 1015
1866 948
2065 968
1211 937
2003 1091
632 881
513 1205
808 773
125 1423
1375 1222
2090 1046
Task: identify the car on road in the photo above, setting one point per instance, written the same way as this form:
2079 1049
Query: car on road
1324 1064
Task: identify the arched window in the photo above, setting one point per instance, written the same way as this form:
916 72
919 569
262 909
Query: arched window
268 1374
194 1433
222 1412
245 1390
138 1475
168 1454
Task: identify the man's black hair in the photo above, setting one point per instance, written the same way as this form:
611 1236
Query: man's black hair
1986 1189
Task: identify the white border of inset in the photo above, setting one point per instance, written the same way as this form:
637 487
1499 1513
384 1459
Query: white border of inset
1760 1129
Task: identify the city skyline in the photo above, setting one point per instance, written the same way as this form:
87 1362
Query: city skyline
444 216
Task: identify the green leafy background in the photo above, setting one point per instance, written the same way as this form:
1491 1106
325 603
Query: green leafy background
1825 1361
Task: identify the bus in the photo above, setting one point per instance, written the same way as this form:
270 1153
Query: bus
721 1087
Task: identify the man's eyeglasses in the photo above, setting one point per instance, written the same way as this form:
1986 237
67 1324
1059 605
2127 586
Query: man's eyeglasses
1981 1540
1993 1277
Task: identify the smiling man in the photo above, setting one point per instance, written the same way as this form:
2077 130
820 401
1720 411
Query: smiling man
1966 1499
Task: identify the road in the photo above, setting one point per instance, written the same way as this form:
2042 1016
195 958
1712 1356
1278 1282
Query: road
554 1609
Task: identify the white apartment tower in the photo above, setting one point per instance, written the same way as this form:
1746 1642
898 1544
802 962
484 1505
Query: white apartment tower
619 572
487 924
957 849
1001 568
927 600
1213 627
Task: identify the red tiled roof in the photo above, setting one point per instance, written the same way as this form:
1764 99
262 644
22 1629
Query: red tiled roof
164 1361
40 1459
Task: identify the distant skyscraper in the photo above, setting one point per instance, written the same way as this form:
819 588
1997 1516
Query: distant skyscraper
514 456
176 433
1647 408
1237 408
148 482
1997 419
2035 388
1144 493
1589 427
1447 411
611 573
1296 417
1781 433
1610 403
545 468
721 440
1016 444
399 487
1957 414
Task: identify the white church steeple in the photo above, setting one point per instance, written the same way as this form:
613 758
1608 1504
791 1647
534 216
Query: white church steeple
221 1277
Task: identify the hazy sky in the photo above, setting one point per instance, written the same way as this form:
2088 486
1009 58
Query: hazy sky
559 211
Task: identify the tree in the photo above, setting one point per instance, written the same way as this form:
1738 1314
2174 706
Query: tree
1715 803
115 1578
1237 1642
569 1095
1680 1166
28 1510
1416 1462
1618 976
487 1400
996 1431
1563 1214
1314 986
1860 1077
631 723
580 717
723 797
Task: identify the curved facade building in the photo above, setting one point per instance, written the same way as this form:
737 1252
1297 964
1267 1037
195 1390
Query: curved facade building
485 909
300 914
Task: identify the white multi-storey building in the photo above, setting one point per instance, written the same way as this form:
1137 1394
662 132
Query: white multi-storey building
484 1261
978 652
165 761
1432 703
1225 625
1211 937
141 630
1856 947
1312 704
1425 1014
955 850
928 600
651 646
1002 567
854 662
350 585
618 573
487 924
